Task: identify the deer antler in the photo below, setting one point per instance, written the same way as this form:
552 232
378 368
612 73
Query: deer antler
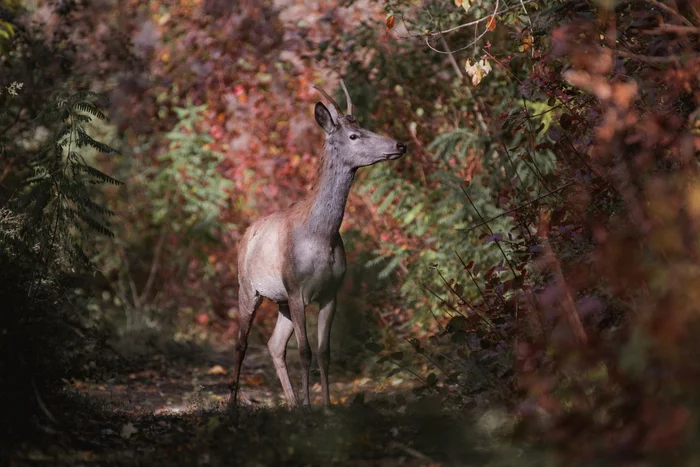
330 99
347 97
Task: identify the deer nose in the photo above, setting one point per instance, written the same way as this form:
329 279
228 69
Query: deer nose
400 146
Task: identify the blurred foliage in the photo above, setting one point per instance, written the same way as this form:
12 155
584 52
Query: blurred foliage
536 249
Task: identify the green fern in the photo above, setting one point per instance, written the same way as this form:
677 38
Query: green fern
55 195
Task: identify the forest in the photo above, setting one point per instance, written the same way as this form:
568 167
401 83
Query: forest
522 285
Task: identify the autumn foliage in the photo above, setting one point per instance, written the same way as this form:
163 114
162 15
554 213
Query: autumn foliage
536 251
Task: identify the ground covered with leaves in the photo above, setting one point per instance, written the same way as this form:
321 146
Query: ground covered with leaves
173 412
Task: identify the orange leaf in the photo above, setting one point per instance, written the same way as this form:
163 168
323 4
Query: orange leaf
491 23
253 380
390 22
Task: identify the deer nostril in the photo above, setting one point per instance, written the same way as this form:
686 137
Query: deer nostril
400 146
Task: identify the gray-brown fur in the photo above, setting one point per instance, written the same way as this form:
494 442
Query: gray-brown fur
296 256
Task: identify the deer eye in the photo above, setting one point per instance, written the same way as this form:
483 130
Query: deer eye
353 137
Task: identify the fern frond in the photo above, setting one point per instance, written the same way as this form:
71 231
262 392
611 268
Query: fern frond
95 225
90 109
100 176
86 140
82 96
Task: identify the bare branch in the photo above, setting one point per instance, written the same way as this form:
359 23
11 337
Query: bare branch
477 21
669 10
673 29
154 266
647 59
517 208
427 39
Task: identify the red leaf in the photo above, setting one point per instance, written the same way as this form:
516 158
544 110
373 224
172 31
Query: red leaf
491 23
390 22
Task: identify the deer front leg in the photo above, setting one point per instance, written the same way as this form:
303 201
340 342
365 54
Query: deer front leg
325 321
278 349
297 310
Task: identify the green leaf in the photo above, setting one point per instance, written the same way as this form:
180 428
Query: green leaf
413 213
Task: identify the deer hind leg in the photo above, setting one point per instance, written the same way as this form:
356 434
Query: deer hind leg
325 320
297 310
278 349
248 303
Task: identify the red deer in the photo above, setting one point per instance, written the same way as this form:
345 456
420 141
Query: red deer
296 256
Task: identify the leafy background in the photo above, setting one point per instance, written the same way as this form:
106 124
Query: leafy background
522 285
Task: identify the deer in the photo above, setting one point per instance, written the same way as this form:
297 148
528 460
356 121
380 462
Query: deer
296 256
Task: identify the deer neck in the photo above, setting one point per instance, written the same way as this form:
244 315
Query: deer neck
329 194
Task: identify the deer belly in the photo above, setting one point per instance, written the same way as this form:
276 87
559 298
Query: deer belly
270 286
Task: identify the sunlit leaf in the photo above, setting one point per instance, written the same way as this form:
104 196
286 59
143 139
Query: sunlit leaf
478 70
491 23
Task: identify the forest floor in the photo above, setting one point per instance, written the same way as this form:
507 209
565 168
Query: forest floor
173 412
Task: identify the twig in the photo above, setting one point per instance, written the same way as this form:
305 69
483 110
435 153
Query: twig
517 208
498 243
154 265
483 296
451 57
478 38
568 304
647 59
504 67
132 285
458 71
438 366
670 10
672 28
452 289
43 406
412 452
471 23
405 368
444 302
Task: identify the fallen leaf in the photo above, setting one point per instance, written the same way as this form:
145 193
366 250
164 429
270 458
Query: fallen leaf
217 370
253 380
128 430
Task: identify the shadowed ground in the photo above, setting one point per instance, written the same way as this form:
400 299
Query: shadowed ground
172 412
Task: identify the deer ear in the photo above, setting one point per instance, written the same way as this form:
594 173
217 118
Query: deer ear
324 118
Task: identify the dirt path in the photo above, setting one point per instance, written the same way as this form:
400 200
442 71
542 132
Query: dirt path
171 413
164 387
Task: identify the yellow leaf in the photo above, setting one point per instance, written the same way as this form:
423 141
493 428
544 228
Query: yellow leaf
216 370
478 70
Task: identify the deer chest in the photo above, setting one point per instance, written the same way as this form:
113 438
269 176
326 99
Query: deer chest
319 266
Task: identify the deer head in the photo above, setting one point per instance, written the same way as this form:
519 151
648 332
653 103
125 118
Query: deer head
345 139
